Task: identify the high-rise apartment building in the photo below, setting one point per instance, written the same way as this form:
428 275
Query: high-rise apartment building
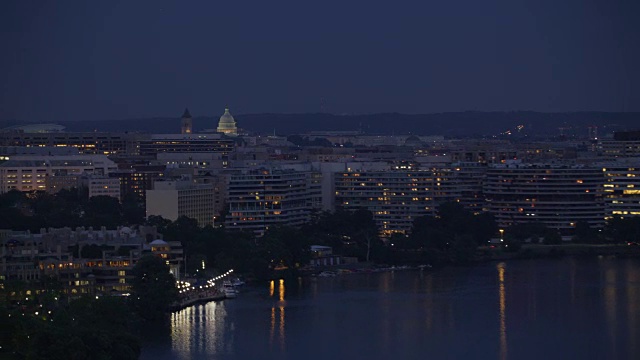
262 198
558 196
395 197
468 178
622 188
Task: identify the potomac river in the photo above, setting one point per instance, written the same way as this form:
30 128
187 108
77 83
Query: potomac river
568 308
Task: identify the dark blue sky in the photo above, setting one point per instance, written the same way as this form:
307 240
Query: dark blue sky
86 60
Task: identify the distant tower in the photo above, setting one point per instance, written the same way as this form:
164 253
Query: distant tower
593 132
227 124
187 122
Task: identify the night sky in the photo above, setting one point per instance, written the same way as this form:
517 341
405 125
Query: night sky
88 60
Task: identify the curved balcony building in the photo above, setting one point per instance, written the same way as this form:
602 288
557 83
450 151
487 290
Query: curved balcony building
557 196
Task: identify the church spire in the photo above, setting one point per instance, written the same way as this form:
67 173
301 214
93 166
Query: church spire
186 113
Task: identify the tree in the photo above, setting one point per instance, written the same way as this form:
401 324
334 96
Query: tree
523 231
85 328
13 206
103 211
132 209
584 233
183 229
552 237
452 236
153 287
286 246
623 230
351 233
159 222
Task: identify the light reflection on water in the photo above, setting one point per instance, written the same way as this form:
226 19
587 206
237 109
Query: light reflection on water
633 307
502 296
551 309
201 329
280 307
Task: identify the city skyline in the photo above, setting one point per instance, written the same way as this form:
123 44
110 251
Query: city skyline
122 60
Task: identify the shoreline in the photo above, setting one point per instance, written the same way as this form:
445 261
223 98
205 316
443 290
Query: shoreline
488 254
196 301
541 251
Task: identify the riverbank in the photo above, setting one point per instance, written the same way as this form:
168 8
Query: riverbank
533 251
196 299
510 310
483 254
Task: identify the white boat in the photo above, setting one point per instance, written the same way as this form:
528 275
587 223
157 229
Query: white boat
327 274
230 293
229 290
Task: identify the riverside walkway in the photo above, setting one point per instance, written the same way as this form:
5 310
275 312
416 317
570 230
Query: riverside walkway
198 294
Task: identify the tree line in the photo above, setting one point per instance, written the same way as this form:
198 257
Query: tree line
67 208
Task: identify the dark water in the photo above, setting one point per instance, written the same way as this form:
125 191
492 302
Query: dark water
542 309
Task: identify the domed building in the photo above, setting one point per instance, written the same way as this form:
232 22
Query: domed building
227 124
413 141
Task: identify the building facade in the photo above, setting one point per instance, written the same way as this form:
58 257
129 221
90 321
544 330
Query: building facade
558 196
174 198
35 173
85 142
622 188
395 197
185 143
227 124
263 198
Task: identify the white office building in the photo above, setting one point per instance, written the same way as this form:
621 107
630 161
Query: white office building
174 198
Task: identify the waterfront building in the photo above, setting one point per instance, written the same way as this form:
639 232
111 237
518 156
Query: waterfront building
469 178
622 187
556 195
171 252
266 197
227 124
174 198
395 197
324 256
60 253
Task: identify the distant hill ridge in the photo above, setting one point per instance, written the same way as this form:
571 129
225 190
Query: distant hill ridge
468 123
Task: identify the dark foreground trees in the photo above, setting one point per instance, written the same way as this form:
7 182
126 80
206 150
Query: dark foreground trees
67 208
87 328
451 237
153 288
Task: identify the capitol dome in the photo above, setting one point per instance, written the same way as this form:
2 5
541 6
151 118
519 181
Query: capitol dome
413 141
227 123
